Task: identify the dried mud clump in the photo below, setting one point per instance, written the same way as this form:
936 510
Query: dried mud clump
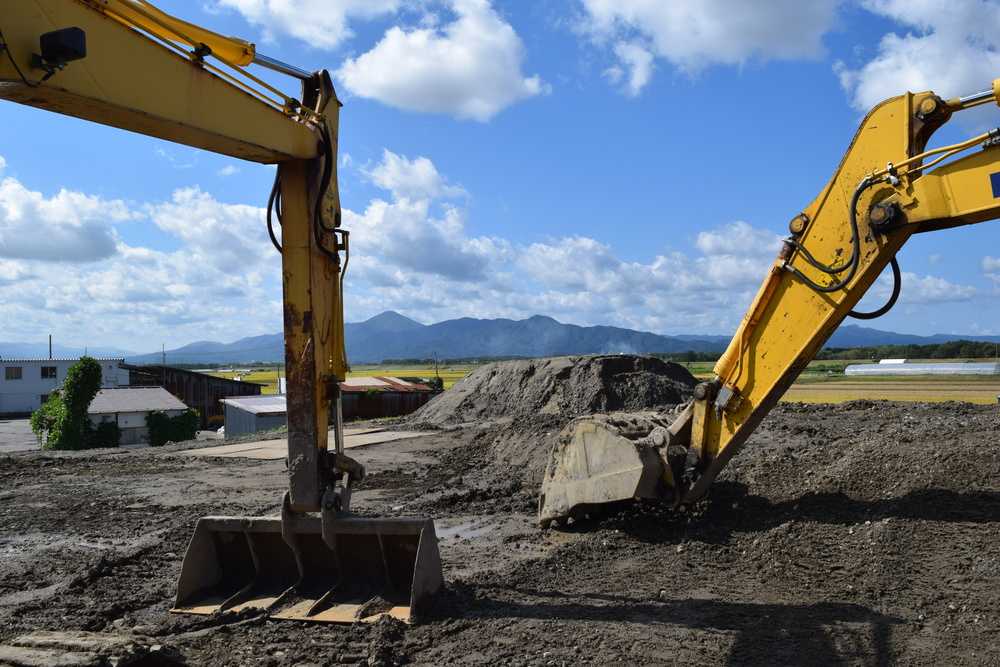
565 387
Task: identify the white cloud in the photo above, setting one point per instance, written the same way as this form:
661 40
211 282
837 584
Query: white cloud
739 238
220 280
417 178
12 272
68 227
3 163
413 251
228 170
322 24
933 289
952 51
228 237
917 289
408 257
991 269
405 235
694 35
468 68
639 63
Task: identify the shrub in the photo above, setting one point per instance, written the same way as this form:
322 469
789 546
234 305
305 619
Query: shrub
107 434
62 423
164 429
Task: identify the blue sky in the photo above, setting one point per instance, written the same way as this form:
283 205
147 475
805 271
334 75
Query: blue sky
621 162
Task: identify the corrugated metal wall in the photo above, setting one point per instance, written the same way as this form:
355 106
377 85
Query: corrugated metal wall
241 423
375 404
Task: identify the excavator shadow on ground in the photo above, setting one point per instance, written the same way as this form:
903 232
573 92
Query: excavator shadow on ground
831 633
731 508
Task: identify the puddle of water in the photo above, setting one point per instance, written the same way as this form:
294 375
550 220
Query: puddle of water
467 530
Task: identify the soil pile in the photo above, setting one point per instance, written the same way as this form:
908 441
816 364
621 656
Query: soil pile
560 386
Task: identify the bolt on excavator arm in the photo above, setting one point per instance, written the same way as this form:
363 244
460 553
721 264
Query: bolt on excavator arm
882 192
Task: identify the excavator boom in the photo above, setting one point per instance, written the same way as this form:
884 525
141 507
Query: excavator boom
883 191
126 64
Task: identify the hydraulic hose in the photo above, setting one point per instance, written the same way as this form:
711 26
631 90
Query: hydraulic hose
897 283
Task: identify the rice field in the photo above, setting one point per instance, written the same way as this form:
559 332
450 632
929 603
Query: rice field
822 382
268 377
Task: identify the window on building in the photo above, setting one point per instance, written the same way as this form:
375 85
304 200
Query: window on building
43 398
48 372
12 373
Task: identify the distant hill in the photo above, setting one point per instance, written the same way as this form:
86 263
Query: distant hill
391 335
852 335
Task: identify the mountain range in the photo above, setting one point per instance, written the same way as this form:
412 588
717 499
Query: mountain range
390 335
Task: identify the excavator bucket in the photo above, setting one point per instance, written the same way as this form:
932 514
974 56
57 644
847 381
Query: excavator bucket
338 570
605 459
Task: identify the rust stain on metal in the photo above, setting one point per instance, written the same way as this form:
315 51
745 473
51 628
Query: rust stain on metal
292 316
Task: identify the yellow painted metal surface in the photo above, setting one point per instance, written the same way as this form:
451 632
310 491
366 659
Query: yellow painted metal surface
315 356
129 81
788 321
229 49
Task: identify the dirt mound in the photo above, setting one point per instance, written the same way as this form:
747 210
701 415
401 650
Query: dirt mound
562 386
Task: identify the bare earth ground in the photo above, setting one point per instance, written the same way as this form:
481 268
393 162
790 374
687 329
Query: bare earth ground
864 533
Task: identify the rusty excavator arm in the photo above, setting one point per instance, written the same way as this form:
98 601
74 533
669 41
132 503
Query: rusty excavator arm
887 188
126 64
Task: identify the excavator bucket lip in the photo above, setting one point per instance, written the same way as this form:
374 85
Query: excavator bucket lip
355 569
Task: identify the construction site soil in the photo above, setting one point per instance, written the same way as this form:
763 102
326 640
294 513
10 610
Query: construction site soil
861 533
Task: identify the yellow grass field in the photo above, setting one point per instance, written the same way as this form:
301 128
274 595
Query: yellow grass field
822 382
931 389
269 376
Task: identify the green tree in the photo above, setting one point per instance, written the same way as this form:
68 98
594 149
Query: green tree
62 423
164 429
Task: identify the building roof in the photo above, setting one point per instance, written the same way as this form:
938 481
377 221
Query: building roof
133 399
271 404
41 360
154 370
382 383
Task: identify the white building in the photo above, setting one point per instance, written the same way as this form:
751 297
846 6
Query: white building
129 406
929 368
26 383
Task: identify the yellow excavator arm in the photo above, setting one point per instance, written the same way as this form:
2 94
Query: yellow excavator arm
886 188
126 64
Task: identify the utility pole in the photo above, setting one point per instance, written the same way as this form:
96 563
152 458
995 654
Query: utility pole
163 364
50 347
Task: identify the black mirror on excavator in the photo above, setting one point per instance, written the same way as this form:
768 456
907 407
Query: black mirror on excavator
60 47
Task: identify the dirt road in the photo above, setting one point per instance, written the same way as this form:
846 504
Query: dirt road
865 533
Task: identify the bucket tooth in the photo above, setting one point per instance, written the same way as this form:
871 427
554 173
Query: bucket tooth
363 569
235 563
343 570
